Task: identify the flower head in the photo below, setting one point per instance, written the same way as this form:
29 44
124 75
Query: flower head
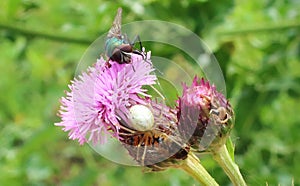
205 116
100 96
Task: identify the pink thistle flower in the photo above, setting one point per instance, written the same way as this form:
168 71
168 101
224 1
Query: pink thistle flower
100 96
205 115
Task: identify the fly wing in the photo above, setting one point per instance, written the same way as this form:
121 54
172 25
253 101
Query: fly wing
115 30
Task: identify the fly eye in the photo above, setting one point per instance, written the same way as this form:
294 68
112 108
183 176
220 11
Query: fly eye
141 118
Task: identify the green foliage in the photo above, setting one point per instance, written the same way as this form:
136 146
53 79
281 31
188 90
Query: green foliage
257 46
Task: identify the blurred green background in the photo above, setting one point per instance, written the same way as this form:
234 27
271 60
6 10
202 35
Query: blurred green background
257 44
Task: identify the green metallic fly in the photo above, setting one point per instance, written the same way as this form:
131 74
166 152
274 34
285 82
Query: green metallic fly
117 46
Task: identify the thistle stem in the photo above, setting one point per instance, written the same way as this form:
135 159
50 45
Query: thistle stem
221 155
193 167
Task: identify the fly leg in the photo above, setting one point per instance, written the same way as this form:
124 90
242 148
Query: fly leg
125 57
140 52
135 40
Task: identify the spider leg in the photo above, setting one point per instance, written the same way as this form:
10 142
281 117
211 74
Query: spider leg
160 94
157 168
172 138
147 139
138 149
144 155
126 129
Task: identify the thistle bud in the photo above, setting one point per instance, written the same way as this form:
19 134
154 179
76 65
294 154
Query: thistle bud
205 116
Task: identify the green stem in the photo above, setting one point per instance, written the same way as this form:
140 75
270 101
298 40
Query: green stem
193 167
223 158
34 34
31 33
273 28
